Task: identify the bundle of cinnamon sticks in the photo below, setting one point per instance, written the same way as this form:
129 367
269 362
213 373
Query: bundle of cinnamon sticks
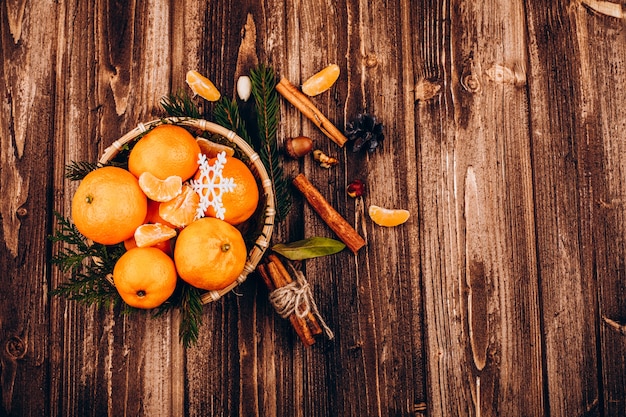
275 275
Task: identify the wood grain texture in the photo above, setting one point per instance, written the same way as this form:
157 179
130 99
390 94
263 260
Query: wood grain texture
502 295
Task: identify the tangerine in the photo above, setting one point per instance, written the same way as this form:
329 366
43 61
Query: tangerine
109 205
210 254
239 202
388 217
144 277
165 151
211 149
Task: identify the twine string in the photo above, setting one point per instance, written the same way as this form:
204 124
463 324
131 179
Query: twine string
297 298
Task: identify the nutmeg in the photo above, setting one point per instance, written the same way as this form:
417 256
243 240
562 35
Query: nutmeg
299 146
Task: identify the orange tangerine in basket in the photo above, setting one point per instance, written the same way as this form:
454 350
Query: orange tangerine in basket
240 201
182 209
321 81
210 254
109 205
202 86
388 217
145 277
160 190
165 151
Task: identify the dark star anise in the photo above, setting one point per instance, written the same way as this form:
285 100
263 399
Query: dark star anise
365 133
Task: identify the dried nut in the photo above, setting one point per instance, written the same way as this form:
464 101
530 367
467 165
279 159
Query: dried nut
299 146
244 87
356 188
324 160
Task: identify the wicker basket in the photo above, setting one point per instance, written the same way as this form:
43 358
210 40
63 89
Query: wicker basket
256 166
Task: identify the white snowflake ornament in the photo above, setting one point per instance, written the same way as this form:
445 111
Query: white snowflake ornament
211 184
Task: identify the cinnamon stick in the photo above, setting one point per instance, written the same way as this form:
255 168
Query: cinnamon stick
292 94
286 277
268 274
333 219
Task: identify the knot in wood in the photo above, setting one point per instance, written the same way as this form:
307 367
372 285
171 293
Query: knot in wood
470 83
21 212
15 348
371 61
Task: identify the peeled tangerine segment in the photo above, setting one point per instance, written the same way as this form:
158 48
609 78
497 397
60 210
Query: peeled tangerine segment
322 81
202 86
181 210
160 190
150 234
388 217
211 149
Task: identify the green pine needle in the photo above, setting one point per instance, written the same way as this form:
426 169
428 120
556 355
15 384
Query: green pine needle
268 114
226 114
180 104
88 264
76 171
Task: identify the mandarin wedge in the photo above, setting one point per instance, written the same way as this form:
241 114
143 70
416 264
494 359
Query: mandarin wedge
211 149
388 217
182 209
202 86
160 190
152 233
321 81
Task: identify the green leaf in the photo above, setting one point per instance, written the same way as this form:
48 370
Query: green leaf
312 247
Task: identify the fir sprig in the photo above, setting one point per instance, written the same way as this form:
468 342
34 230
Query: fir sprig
77 170
88 263
268 113
180 104
226 113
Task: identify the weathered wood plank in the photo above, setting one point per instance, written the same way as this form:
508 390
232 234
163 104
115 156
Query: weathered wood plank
600 41
565 152
26 88
475 193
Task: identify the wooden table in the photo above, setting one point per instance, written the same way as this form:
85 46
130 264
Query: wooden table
505 137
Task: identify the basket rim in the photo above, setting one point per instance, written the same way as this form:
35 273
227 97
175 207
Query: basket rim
262 242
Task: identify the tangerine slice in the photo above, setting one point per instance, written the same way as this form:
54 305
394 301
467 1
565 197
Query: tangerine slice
160 190
388 217
211 149
165 246
151 234
202 86
181 210
322 81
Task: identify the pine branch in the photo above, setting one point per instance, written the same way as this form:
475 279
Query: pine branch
180 104
226 114
88 264
268 113
76 171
